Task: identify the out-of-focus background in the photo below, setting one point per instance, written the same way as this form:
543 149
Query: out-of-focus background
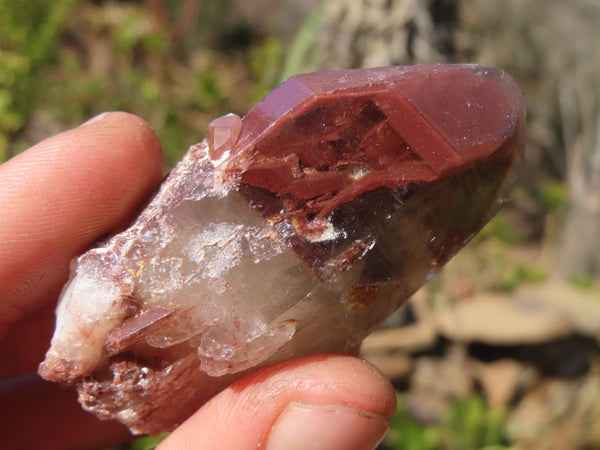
501 349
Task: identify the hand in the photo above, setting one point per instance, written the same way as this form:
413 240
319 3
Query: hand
56 199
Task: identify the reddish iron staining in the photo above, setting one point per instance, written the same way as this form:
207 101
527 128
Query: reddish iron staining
346 259
320 140
361 296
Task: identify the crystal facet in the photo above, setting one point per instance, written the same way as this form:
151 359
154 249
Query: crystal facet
295 230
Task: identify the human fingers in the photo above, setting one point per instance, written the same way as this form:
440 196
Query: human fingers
56 199
321 402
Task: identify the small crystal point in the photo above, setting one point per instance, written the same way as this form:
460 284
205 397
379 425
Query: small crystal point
222 135
293 231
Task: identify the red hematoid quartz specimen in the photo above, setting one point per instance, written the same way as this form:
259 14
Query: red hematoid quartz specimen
295 230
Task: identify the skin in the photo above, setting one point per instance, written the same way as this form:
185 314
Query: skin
56 199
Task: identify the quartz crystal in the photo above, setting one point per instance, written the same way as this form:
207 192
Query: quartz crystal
293 231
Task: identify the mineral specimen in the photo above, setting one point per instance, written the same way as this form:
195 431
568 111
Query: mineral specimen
295 230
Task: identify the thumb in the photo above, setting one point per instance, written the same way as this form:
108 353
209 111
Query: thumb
319 402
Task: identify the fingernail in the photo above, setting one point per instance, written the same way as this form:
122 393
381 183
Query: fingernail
332 427
95 118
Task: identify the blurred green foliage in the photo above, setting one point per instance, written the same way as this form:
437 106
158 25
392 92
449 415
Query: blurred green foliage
271 63
493 261
142 443
65 61
554 195
468 425
265 64
406 433
501 229
305 38
512 276
583 281
29 32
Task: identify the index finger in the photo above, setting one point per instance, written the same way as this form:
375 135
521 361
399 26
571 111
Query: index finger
61 195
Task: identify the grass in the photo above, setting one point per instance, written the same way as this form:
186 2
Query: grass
468 425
